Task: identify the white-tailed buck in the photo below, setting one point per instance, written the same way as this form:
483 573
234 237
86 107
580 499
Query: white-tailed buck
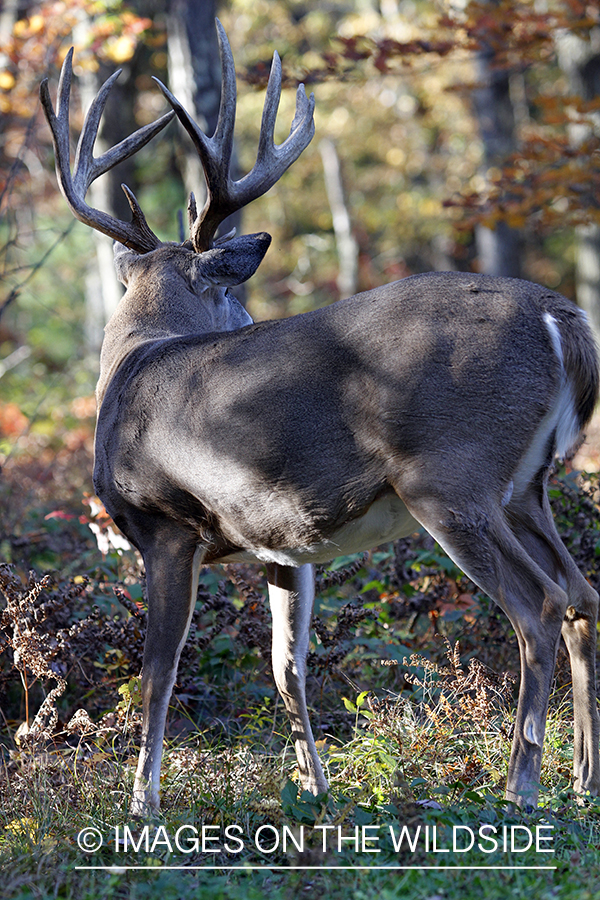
439 400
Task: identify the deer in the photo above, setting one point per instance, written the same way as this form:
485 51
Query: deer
438 401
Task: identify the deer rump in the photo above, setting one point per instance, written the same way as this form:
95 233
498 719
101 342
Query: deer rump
297 439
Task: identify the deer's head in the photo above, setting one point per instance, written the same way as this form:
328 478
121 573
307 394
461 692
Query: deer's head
203 260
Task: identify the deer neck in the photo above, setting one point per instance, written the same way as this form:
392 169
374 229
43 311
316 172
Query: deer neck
162 313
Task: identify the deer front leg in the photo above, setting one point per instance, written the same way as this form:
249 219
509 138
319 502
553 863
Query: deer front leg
291 596
172 560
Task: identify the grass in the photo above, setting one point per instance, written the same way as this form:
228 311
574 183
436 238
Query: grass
432 765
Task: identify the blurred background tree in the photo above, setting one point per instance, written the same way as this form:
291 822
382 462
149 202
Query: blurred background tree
449 136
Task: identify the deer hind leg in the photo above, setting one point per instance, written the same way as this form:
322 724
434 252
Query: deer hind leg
291 596
172 560
481 542
534 526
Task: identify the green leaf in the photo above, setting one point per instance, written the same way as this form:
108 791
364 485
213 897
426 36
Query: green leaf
289 794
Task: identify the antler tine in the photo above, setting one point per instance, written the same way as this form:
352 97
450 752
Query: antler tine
145 235
272 160
223 136
270 108
59 122
136 234
201 142
84 169
129 145
225 196
192 210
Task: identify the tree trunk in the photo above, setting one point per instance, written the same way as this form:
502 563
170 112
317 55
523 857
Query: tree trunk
499 250
580 60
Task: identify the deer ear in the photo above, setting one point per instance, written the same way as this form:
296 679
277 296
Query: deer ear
236 261
124 257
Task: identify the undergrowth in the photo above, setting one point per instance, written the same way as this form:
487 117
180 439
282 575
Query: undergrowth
411 685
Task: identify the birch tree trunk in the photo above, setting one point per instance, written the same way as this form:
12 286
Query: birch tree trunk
347 247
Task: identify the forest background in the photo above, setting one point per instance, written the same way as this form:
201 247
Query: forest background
460 135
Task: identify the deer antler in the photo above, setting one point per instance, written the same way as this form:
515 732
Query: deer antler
135 234
225 196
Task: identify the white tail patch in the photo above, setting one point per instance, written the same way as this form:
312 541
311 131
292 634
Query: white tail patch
561 419
552 326
564 414
567 421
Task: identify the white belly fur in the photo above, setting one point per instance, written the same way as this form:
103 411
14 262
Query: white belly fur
385 520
